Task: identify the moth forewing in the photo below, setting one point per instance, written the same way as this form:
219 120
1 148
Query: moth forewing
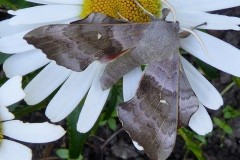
75 46
151 117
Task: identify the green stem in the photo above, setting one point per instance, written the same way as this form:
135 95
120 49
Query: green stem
228 88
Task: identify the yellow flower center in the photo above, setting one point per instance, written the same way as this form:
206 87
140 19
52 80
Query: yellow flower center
126 8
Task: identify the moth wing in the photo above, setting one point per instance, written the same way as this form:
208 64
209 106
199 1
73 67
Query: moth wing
188 101
151 116
75 46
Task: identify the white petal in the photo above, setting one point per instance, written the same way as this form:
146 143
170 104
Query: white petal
7 30
24 63
190 19
201 122
11 92
204 5
49 79
204 90
94 104
45 14
220 54
57 1
71 93
32 132
10 150
5 115
131 82
140 148
14 44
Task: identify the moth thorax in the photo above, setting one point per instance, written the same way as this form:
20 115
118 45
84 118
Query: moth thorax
127 9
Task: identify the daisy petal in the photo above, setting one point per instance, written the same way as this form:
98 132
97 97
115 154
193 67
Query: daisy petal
201 122
77 2
45 14
94 103
71 93
140 148
225 57
189 19
5 115
24 63
32 132
204 5
11 92
7 30
14 44
10 150
130 83
49 79
204 90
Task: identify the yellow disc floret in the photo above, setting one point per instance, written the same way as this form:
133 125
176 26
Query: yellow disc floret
127 9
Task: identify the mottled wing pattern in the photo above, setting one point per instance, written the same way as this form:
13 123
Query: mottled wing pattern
151 116
75 46
161 40
188 102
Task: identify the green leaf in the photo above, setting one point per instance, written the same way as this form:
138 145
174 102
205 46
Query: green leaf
14 4
112 124
223 125
229 112
3 57
76 139
20 110
236 80
112 103
63 153
210 72
192 143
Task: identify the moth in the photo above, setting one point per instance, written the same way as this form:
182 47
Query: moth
164 100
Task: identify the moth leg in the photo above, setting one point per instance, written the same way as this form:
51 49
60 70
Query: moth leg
172 9
144 10
123 18
187 32
165 13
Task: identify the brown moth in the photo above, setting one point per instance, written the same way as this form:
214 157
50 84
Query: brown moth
164 100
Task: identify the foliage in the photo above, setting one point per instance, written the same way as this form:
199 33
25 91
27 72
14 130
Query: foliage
193 142
13 4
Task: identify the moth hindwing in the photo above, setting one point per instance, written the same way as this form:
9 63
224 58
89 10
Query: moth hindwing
164 100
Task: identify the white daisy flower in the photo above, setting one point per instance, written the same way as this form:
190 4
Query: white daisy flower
75 85
10 93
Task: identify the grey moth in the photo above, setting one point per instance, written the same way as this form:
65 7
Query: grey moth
164 100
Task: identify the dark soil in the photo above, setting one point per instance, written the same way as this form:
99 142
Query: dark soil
219 145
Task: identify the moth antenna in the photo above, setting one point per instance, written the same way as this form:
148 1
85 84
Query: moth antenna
125 19
144 10
198 39
171 8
